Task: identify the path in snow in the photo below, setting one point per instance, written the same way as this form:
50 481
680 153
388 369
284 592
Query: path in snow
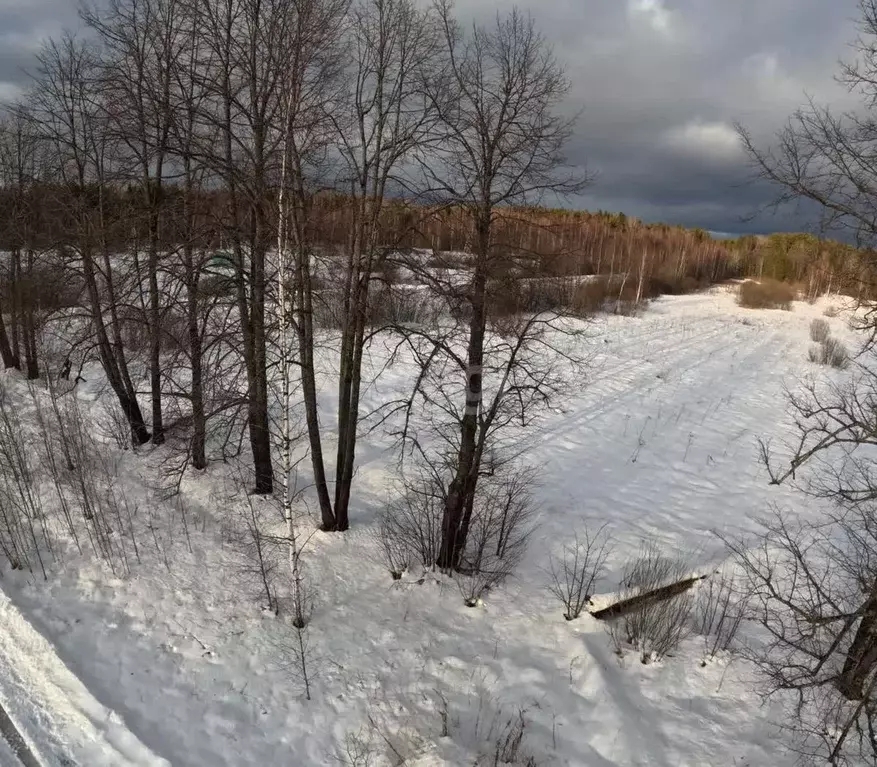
15 749
662 440
51 718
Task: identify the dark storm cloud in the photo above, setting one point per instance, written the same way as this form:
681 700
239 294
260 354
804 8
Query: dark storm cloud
660 84
23 25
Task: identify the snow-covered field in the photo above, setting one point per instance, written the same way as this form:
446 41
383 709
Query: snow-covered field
177 664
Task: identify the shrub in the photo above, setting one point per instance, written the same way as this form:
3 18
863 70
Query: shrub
395 550
617 295
493 733
831 311
514 295
720 612
819 331
500 528
574 576
830 352
414 520
766 294
668 282
653 627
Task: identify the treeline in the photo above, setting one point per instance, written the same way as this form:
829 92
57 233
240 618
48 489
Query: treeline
814 265
561 242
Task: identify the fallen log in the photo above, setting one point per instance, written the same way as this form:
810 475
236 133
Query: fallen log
628 604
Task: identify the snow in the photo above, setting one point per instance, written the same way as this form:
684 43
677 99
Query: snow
49 706
177 664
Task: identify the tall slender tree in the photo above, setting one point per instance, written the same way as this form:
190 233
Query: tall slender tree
67 117
502 135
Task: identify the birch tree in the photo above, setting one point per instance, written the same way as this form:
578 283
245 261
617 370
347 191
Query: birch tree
502 134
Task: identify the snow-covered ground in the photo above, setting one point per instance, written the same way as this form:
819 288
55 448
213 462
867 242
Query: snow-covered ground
177 664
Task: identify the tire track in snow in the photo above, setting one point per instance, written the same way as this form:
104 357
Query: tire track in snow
16 741
684 356
54 714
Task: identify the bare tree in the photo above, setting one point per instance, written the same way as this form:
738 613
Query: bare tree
20 160
501 138
383 117
245 40
827 157
310 89
188 94
141 41
574 577
825 624
66 115
810 587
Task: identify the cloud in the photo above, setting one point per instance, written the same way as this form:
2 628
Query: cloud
705 140
653 12
658 82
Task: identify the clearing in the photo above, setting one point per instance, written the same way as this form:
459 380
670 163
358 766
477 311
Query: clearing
177 664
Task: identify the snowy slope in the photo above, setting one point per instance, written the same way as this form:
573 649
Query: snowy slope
59 720
179 665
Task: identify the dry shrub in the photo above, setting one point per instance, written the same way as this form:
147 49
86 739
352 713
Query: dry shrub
721 608
413 522
395 550
819 331
213 287
448 260
401 305
48 288
515 295
831 311
602 294
830 352
766 294
500 528
137 333
668 282
498 734
653 627
574 576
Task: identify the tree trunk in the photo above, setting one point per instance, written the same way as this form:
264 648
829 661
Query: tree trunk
199 420
153 200
305 331
257 420
862 655
9 360
130 407
350 369
461 492
28 324
15 314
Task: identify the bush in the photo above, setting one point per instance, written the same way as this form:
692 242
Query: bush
766 294
574 576
500 528
653 627
831 311
830 352
395 551
720 611
414 522
819 331
668 282
602 294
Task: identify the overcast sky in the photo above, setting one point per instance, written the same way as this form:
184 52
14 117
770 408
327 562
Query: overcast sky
660 83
